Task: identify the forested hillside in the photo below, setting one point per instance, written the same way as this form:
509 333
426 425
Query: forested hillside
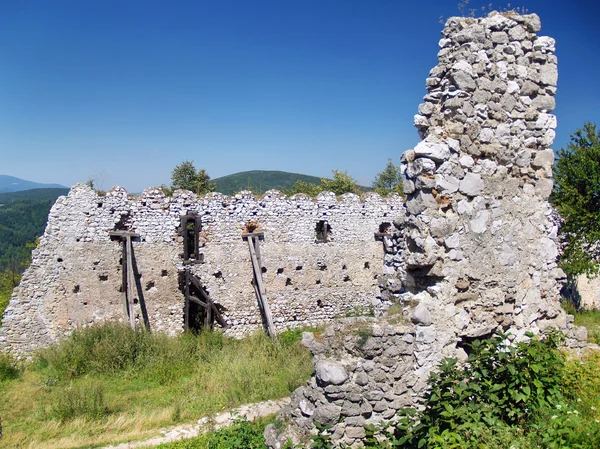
23 217
259 181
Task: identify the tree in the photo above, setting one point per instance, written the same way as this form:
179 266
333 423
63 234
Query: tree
389 180
185 176
341 183
577 198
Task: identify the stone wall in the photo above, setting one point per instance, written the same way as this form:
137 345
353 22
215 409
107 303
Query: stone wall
481 234
75 277
478 246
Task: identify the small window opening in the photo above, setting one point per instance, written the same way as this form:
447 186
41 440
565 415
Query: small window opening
99 205
263 270
318 281
288 282
76 289
103 277
164 273
323 231
190 231
367 265
346 278
299 267
280 270
344 267
218 275
123 223
149 285
319 303
385 227
59 259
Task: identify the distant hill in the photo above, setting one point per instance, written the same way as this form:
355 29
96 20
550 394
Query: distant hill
33 194
12 184
259 181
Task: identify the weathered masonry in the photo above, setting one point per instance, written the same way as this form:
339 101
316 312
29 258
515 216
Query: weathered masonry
480 236
320 259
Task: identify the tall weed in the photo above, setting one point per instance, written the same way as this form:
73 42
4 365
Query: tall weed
78 401
9 367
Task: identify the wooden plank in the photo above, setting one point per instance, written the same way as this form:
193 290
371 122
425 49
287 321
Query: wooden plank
192 298
124 279
130 283
257 251
186 294
260 235
261 289
186 253
123 234
197 227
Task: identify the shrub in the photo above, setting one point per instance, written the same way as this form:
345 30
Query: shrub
9 367
242 434
500 385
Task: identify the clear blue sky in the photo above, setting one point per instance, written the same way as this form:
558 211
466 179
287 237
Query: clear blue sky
122 91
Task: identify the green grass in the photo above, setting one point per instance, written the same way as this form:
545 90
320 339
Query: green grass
241 434
108 383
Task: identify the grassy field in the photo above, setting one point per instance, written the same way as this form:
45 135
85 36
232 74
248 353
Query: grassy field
109 384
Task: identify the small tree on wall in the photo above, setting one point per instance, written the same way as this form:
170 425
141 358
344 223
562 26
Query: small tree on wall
185 176
389 180
577 198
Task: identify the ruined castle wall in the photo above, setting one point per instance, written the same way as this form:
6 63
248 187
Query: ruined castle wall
480 237
481 234
76 274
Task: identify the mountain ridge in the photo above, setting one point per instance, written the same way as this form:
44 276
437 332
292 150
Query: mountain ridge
13 184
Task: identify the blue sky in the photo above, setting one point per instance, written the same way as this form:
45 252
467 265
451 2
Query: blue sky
122 91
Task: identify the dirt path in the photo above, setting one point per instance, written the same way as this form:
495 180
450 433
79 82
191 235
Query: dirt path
249 411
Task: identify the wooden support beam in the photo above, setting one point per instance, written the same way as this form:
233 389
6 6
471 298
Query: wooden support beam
130 282
124 279
122 234
261 296
186 294
259 235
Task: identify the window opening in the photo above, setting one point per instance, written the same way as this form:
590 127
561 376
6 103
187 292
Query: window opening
323 231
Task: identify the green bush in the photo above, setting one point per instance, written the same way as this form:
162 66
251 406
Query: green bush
242 434
9 367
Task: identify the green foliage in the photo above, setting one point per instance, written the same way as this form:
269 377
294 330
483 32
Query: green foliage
242 434
307 188
322 439
389 180
501 384
9 367
577 198
341 183
259 181
185 176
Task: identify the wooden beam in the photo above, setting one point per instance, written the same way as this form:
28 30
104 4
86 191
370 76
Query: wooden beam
186 294
130 282
122 234
261 288
260 235
124 279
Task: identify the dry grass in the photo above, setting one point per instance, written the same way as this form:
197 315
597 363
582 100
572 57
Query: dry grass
44 407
